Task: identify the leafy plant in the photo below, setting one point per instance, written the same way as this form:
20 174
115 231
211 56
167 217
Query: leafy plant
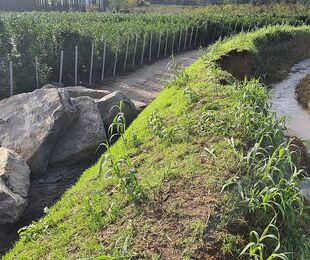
33 230
124 172
160 129
118 126
257 247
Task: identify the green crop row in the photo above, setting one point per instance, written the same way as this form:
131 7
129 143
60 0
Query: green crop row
25 36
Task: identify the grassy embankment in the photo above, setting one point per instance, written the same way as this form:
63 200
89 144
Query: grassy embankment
158 193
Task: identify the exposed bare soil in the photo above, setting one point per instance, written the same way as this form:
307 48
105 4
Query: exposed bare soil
239 64
145 83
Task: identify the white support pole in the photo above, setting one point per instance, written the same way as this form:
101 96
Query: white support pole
61 66
103 59
91 63
191 38
228 30
11 79
185 39
204 34
196 35
37 72
115 62
179 48
249 27
150 51
135 52
173 40
166 44
235 27
159 45
76 65
143 48
126 54
222 30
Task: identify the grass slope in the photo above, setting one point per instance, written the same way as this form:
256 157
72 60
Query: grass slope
158 195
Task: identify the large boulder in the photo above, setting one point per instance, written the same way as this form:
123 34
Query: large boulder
30 124
109 108
78 91
14 185
83 137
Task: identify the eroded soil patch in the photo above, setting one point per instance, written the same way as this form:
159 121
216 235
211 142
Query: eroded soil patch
273 63
239 64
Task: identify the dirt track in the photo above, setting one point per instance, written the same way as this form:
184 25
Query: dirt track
143 85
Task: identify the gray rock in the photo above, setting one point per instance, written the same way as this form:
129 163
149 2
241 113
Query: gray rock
108 108
14 185
81 140
76 92
79 91
305 189
30 124
58 84
48 86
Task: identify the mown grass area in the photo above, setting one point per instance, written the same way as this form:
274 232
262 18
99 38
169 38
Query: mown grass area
202 172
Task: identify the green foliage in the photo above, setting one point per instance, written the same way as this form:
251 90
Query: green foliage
32 231
118 126
44 35
124 172
160 128
102 214
258 244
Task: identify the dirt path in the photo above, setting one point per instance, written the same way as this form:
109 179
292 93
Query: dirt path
143 85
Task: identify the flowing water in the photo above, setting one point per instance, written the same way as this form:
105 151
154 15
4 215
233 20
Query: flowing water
284 102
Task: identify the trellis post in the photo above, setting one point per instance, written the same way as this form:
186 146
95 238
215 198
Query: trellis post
250 27
185 39
222 30
204 34
159 45
37 72
235 27
196 35
126 54
61 66
103 59
91 63
166 44
135 52
143 47
173 40
11 79
191 38
115 61
179 47
150 51
76 65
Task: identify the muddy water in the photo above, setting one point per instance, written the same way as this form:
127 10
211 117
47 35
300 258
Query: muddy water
284 103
